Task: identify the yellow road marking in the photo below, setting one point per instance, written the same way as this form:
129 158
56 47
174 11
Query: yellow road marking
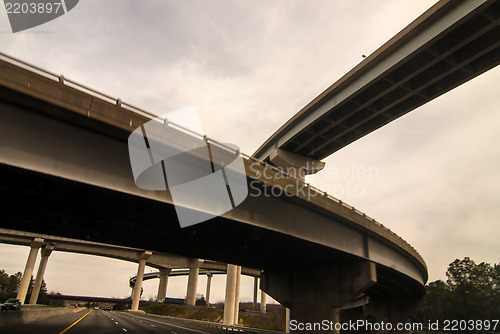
64 331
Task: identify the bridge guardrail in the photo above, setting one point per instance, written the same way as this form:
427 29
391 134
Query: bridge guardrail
60 78
232 328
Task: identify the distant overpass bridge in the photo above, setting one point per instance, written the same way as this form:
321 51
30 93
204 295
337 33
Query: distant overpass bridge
451 43
169 265
87 299
208 269
176 273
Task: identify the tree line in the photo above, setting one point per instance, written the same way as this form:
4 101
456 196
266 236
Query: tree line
9 285
470 292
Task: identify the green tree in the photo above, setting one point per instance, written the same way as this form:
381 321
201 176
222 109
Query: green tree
43 288
437 301
9 285
4 281
201 301
30 287
14 282
472 287
4 285
471 292
467 276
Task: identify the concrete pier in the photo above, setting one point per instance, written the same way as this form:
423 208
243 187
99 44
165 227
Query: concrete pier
192 283
229 301
162 286
209 283
28 269
46 251
136 293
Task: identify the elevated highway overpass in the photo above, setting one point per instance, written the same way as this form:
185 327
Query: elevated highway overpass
169 265
210 269
66 173
65 158
157 260
451 43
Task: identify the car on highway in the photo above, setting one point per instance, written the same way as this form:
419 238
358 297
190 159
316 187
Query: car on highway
12 304
107 308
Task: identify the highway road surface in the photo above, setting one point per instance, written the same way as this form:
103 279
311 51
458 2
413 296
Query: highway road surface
100 322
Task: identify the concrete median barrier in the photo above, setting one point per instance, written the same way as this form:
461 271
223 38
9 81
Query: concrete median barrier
28 314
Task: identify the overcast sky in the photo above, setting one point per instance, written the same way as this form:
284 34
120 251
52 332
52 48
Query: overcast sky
247 66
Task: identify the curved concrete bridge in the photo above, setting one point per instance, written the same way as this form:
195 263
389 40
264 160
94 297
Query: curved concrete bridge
451 43
64 156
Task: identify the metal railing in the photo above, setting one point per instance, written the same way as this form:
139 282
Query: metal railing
129 107
233 328
70 83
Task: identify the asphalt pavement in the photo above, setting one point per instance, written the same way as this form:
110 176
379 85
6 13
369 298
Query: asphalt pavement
100 322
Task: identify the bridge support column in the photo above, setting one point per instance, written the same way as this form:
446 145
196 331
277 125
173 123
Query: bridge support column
209 284
255 290
46 251
394 311
237 296
162 286
136 292
132 293
28 269
287 320
263 301
229 301
315 296
192 282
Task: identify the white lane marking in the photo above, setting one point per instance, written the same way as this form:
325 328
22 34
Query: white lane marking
116 323
153 325
124 329
169 324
